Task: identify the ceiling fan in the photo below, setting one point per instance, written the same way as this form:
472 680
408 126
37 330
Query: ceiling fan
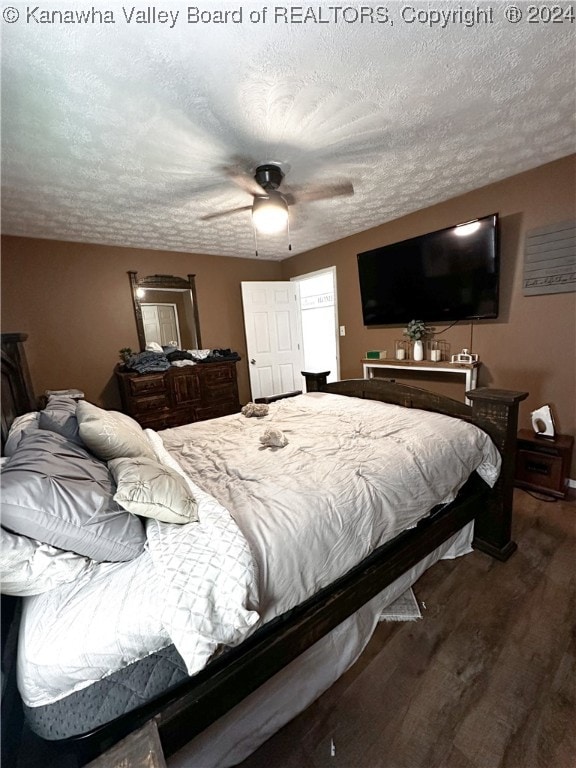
270 206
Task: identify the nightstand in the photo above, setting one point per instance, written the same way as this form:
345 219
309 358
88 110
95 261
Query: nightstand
542 464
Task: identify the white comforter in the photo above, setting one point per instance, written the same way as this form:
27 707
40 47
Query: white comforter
353 475
275 525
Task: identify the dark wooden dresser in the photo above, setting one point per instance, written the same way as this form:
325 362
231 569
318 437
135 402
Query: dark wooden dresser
180 395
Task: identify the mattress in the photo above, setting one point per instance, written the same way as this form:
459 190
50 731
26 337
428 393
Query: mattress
104 700
361 472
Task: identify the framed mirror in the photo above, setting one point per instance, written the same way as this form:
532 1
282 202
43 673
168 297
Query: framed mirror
166 310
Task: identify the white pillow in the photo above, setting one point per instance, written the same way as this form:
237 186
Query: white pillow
111 435
150 489
28 567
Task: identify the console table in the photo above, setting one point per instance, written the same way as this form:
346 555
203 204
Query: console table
468 370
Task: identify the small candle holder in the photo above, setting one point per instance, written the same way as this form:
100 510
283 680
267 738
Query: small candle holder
437 350
401 349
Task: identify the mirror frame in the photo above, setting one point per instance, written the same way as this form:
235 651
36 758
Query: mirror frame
163 282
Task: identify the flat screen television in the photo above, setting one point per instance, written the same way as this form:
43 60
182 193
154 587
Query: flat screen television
451 274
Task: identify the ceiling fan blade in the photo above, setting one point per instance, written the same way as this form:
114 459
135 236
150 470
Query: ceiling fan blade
209 216
238 174
324 192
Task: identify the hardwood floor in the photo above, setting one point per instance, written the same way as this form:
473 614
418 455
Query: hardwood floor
487 679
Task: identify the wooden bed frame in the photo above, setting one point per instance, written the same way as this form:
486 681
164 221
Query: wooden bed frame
187 709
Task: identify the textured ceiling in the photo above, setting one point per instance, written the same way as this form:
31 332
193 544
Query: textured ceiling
120 133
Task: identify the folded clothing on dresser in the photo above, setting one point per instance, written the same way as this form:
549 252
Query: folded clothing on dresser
148 362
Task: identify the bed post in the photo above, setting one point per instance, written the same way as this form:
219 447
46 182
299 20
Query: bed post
497 411
17 392
315 382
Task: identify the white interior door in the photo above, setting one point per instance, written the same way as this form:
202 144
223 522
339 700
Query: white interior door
272 337
160 323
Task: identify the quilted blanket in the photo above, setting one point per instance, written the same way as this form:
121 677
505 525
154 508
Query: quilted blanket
208 577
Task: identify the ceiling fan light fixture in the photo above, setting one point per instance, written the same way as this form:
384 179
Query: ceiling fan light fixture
270 214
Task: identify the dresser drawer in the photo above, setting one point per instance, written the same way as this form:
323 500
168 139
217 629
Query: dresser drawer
223 392
539 470
166 418
214 374
216 410
219 383
143 385
543 465
150 404
156 422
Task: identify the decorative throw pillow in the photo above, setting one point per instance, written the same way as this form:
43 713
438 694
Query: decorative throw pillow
150 489
60 416
111 435
28 567
55 491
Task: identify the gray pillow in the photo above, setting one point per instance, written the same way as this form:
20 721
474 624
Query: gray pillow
60 416
28 422
55 491
111 435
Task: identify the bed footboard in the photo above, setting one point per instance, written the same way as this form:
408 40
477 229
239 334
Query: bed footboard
493 410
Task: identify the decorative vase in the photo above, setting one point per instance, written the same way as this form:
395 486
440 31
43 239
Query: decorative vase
418 350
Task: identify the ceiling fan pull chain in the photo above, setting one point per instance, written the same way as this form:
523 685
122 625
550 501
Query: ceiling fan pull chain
288 230
255 239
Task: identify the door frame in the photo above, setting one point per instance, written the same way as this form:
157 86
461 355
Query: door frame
316 272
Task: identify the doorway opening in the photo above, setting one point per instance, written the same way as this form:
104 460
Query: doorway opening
319 321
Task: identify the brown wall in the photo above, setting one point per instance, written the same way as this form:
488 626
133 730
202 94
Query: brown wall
75 302
532 344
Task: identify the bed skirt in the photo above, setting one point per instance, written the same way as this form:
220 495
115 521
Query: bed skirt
241 731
